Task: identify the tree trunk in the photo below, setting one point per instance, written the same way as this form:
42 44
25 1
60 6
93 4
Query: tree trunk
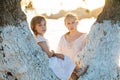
20 57
102 51
111 11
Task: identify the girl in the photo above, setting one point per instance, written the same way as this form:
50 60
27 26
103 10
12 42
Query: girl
57 62
38 26
73 41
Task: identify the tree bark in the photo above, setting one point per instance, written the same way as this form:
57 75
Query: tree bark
110 11
10 12
20 57
102 52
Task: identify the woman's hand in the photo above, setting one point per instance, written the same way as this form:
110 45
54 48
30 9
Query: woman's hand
61 56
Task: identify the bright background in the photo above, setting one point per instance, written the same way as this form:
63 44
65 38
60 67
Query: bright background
54 6
55 27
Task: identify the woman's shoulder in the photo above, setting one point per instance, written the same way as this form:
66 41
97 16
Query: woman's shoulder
83 34
64 35
62 38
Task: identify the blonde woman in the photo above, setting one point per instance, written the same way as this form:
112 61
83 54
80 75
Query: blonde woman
72 41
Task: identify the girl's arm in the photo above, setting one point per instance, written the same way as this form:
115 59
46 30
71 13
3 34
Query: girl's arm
45 48
49 53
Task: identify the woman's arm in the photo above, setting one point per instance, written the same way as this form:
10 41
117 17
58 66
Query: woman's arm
61 56
84 42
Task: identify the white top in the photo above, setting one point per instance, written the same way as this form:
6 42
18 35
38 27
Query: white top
40 38
71 48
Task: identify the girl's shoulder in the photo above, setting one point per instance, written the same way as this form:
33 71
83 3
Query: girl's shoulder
40 38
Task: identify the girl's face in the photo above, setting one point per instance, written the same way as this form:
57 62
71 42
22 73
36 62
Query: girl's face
71 24
41 28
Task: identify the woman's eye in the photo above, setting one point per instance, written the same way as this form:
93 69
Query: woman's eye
40 26
73 22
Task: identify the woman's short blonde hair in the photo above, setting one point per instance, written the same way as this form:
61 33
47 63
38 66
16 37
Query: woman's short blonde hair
69 16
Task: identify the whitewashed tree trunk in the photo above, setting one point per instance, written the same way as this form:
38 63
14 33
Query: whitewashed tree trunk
20 57
102 51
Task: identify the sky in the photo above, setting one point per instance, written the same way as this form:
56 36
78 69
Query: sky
54 6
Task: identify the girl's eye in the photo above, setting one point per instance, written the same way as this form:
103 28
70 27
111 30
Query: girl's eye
40 25
68 23
44 24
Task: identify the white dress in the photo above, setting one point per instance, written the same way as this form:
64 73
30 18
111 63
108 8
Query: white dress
71 48
62 68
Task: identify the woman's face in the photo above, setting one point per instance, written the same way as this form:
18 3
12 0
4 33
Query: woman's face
71 24
41 28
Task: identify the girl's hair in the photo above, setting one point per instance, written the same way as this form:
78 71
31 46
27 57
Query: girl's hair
36 20
69 16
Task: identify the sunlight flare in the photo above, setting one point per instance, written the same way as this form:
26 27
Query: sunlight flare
93 4
54 6
119 62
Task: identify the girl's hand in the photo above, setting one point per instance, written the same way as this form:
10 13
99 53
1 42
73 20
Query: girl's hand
61 56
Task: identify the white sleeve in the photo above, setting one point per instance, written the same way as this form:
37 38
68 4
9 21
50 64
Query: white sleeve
40 38
59 47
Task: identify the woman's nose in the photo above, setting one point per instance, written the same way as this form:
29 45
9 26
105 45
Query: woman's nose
72 25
